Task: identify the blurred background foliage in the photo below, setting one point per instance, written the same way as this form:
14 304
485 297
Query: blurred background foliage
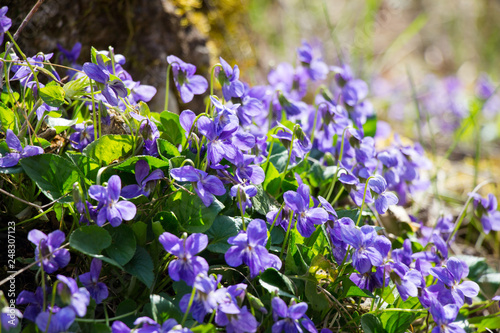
386 42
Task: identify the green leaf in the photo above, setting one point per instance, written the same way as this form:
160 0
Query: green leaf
295 262
175 162
76 88
166 149
371 324
110 148
192 213
489 283
279 157
87 167
223 228
172 130
90 239
125 307
162 308
140 231
53 174
60 124
6 97
52 95
141 266
481 323
274 281
352 290
98 328
263 203
123 244
370 127
7 118
169 222
273 178
204 328
399 321
350 213
477 266
11 170
154 163
396 321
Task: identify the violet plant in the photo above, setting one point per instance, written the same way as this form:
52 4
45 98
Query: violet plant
200 184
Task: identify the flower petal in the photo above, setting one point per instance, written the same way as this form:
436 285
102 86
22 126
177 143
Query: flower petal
185 174
114 187
196 243
12 141
213 185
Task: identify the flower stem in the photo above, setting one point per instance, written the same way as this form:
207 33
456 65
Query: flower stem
191 129
212 74
191 299
241 209
286 236
167 86
276 217
93 109
288 160
335 176
363 202
461 217
52 304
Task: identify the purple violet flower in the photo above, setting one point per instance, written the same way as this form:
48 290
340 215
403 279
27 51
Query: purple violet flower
9 318
403 255
371 280
34 301
185 80
5 22
307 216
146 181
70 55
354 91
250 248
205 185
294 317
188 265
243 192
315 66
444 316
407 280
149 133
486 210
245 170
98 290
76 298
228 77
369 248
451 275
119 327
241 322
23 71
219 133
59 322
50 244
110 208
19 152
383 199
111 90
207 296
301 146
82 137
151 326
139 92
